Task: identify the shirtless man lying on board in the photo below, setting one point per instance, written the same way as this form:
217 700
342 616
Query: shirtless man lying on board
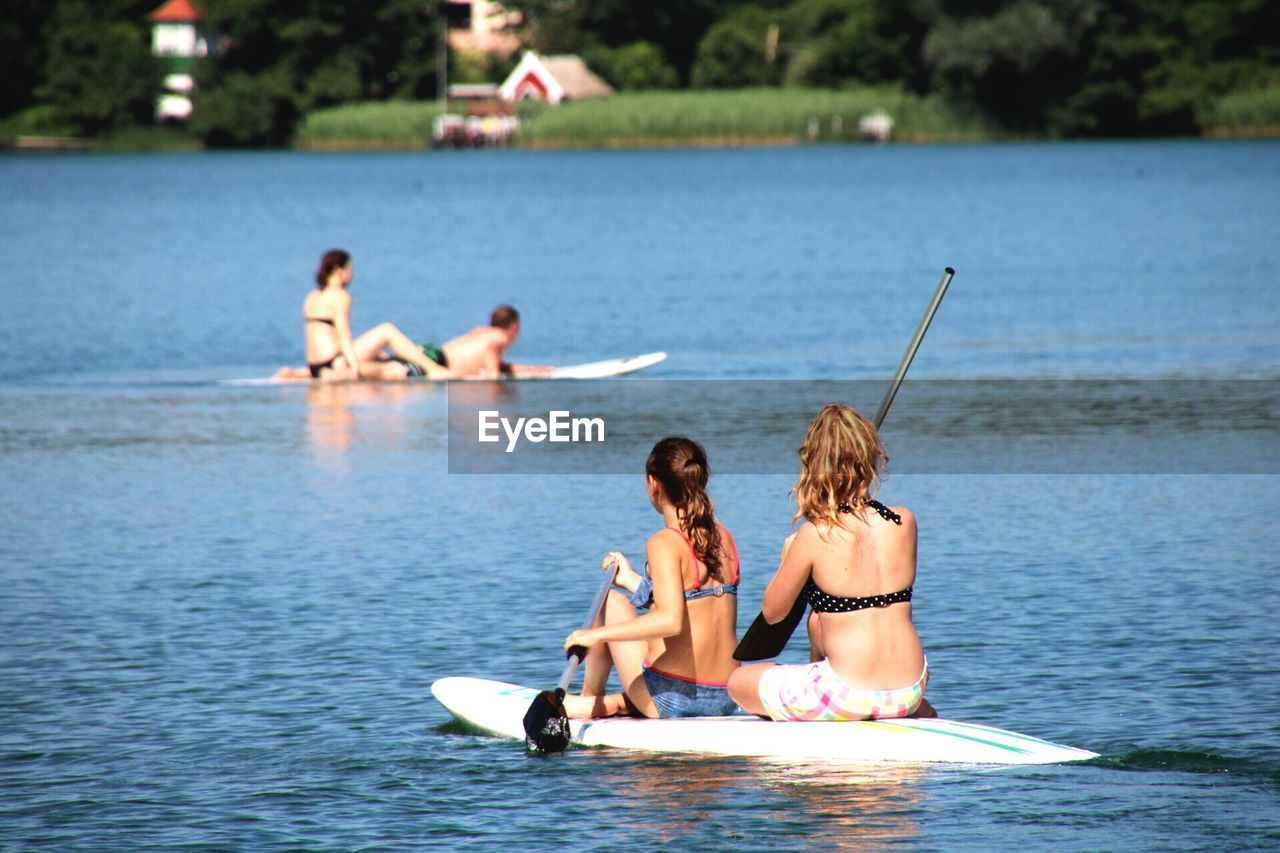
477 354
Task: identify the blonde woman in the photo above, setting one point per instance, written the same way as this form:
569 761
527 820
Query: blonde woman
854 561
675 659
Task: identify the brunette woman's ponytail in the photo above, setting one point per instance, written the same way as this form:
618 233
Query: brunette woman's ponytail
680 466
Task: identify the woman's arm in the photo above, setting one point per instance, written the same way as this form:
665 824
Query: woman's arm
665 618
789 579
342 327
521 370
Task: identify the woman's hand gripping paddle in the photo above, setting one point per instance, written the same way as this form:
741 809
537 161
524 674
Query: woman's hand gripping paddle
765 640
546 725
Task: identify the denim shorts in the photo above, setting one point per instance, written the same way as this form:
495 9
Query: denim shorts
677 697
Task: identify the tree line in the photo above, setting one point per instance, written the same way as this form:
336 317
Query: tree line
1036 67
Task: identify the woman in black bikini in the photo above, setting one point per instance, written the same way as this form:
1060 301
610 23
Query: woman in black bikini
854 562
332 353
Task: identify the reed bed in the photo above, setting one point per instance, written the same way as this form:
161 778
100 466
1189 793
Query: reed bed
744 116
1254 112
148 139
375 124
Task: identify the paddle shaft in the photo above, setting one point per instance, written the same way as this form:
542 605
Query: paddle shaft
577 653
766 639
910 354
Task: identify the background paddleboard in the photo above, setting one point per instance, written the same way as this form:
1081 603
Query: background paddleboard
498 708
610 367
590 370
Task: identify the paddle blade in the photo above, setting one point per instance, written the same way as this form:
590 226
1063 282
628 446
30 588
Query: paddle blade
765 640
546 725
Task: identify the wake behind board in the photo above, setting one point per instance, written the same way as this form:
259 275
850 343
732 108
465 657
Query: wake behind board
590 370
498 708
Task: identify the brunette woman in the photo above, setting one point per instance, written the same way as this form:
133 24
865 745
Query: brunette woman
675 658
332 353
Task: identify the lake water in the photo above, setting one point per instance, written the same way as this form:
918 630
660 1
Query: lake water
222 607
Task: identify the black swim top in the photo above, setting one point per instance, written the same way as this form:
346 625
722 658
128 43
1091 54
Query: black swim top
822 602
885 513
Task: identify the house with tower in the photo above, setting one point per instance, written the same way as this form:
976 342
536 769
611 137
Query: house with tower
179 36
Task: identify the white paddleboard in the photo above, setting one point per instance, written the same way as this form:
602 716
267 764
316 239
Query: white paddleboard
611 367
498 708
590 370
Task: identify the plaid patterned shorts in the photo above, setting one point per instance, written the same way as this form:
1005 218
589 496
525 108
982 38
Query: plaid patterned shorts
814 692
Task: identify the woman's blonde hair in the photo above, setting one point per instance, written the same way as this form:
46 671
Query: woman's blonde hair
840 461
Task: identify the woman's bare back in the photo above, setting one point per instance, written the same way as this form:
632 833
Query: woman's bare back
875 647
704 648
319 313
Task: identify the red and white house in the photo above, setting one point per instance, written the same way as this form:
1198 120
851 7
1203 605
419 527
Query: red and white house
552 79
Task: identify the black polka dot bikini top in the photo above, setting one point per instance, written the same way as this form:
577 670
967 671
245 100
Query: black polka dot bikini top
821 602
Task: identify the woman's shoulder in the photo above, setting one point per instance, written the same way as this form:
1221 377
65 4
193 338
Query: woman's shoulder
668 538
664 549
807 528
812 533
328 299
904 526
905 516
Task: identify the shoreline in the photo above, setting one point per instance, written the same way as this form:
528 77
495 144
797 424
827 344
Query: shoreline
60 145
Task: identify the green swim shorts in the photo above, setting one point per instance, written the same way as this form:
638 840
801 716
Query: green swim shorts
434 353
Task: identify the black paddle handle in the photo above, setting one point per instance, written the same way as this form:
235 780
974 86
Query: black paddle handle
765 639
578 653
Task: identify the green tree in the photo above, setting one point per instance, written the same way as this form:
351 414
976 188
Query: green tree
739 51
303 54
99 73
1156 67
633 67
829 42
1216 46
1122 50
247 109
565 26
836 40
22 52
1015 65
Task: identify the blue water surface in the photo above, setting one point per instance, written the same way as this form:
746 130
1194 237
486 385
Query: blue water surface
222 607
